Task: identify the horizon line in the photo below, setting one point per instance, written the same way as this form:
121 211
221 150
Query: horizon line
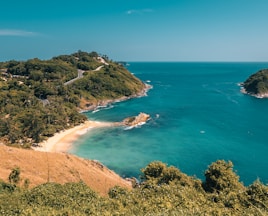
175 61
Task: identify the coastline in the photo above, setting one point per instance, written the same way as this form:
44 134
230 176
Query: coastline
107 102
259 96
62 141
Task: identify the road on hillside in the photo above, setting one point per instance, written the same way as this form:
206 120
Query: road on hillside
81 72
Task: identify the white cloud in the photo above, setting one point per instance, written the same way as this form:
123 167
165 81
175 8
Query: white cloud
142 11
16 32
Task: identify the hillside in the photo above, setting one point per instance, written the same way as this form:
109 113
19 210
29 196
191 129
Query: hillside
257 84
41 97
41 167
163 191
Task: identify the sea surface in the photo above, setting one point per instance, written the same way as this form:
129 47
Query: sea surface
198 116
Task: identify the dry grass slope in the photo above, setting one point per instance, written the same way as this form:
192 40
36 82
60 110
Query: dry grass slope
42 167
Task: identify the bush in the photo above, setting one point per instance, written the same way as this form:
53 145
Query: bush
221 177
14 176
258 194
153 170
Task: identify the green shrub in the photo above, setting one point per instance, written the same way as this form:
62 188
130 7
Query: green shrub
220 177
14 176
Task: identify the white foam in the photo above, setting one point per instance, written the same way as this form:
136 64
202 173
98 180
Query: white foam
94 111
135 126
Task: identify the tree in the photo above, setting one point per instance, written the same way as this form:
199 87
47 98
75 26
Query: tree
41 91
33 124
14 176
3 127
36 75
220 177
153 170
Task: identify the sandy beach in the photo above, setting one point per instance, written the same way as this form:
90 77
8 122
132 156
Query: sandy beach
62 141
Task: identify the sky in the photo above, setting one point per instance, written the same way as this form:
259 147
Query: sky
136 30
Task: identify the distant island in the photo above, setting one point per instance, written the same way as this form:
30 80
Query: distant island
39 98
257 84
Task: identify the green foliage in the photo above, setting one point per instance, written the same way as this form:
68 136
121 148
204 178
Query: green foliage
153 170
6 187
158 173
149 198
116 192
220 177
258 195
36 102
14 176
257 83
111 82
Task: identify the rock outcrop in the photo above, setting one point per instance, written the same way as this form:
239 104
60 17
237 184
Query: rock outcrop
136 120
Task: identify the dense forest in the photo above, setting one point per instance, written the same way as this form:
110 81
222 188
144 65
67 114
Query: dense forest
164 190
37 98
257 84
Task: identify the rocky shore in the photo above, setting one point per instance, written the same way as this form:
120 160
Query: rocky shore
260 96
91 106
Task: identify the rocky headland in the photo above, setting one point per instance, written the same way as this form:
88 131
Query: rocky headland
257 84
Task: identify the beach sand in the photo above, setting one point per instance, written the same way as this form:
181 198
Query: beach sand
62 141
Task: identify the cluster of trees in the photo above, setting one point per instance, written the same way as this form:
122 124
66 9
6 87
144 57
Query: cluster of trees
163 191
35 103
113 81
257 83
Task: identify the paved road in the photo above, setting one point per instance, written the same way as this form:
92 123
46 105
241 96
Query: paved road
79 76
80 72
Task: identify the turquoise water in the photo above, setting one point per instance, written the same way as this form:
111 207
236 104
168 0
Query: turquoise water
198 116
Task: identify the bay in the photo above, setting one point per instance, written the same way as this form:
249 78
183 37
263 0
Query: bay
198 116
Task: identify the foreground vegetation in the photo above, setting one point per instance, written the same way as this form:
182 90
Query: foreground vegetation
163 191
36 100
257 84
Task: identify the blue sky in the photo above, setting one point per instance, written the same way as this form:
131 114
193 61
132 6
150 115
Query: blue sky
136 30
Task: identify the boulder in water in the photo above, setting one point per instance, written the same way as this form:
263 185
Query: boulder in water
136 120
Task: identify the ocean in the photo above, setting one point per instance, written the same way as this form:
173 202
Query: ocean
198 116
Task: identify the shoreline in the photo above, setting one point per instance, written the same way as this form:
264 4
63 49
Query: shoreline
107 102
62 141
259 96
